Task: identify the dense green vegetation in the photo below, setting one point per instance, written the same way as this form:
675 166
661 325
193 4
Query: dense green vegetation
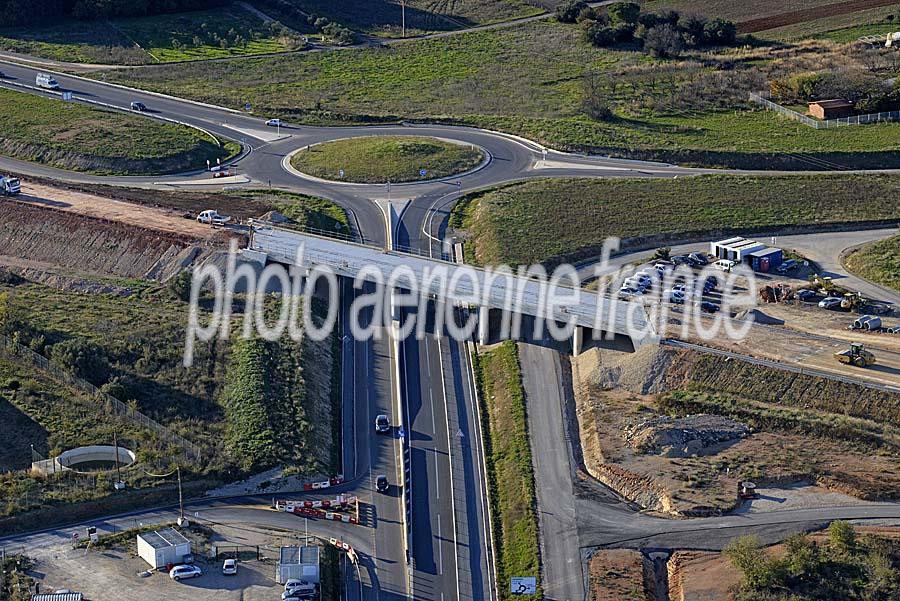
509 466
377 159
15 583
218 33
878 262
846 566
694 110
264 398
74 136
576 215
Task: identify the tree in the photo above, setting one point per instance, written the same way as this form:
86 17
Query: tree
596 103
624 12
693 30
801 555
599 35
663 41
841 537
568 12
720 32
759 570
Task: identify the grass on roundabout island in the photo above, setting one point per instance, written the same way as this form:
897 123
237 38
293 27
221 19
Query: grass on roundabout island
380 159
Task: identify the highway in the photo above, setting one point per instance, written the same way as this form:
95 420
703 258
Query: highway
451 550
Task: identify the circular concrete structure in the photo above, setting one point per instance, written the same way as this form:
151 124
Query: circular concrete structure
95 458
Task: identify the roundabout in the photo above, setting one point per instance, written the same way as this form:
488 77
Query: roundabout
389 158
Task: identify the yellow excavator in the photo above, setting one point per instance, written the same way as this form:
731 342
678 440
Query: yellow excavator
856 355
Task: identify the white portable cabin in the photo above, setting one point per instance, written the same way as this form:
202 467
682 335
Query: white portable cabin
300 563
162 547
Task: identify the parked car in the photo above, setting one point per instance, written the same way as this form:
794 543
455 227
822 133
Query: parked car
627 293
138 106
724 264
830 302
229 568
222 173
274 122
634 283
662 267
709 307
381 483
184 571
680 260
788 266
676 296
807 295
212 217
699 258
711 283
382 424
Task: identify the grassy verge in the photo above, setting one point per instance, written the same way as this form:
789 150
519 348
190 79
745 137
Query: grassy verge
693 110
378 159
74 136
577 214
509 466
878 262
220 33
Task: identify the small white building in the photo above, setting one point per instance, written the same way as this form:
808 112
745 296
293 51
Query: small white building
163 547
735 249
298 562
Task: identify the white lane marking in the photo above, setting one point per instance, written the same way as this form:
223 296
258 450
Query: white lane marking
440 547
437 476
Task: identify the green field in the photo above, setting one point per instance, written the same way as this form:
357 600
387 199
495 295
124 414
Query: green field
78 137
384 17
674 111
219 33
576 215
878 262
509 466
377 159
841 28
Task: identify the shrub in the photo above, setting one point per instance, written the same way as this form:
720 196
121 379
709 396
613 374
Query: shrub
720 32
599 35
81 358
568 12
624 13
663 41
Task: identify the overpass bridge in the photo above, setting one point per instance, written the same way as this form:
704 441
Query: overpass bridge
497 295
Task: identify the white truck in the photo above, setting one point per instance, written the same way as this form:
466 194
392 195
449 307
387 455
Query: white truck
9 186
212 217
46 81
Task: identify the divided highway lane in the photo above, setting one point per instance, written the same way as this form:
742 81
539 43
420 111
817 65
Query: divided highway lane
368 391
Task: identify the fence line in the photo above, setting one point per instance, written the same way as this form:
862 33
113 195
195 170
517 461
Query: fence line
106 401
762 98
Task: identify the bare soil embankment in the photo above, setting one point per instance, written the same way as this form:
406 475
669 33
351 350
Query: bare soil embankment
675 431
76 243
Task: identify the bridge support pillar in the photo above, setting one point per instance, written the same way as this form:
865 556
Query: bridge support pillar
484 324
577 340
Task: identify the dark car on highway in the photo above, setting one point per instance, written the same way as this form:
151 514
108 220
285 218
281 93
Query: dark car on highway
382 424
138 106
381 483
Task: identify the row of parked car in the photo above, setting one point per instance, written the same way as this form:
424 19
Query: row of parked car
637 285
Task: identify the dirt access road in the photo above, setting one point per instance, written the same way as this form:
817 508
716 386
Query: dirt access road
92 205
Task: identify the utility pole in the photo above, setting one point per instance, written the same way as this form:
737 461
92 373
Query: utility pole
181 520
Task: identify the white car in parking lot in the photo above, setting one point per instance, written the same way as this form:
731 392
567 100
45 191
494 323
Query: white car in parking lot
229 568
184 571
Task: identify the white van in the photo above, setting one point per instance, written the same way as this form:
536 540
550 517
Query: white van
46 81
724 264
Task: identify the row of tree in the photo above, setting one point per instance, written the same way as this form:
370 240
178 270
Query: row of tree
663 34
30 12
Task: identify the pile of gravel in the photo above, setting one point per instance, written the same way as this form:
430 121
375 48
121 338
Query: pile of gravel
688 436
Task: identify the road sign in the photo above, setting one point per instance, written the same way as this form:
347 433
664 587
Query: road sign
423 172
75 535
341 173
519 585
402 433
459 433
247 107
67 95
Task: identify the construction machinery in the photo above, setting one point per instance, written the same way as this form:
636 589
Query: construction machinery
9 186
856 355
